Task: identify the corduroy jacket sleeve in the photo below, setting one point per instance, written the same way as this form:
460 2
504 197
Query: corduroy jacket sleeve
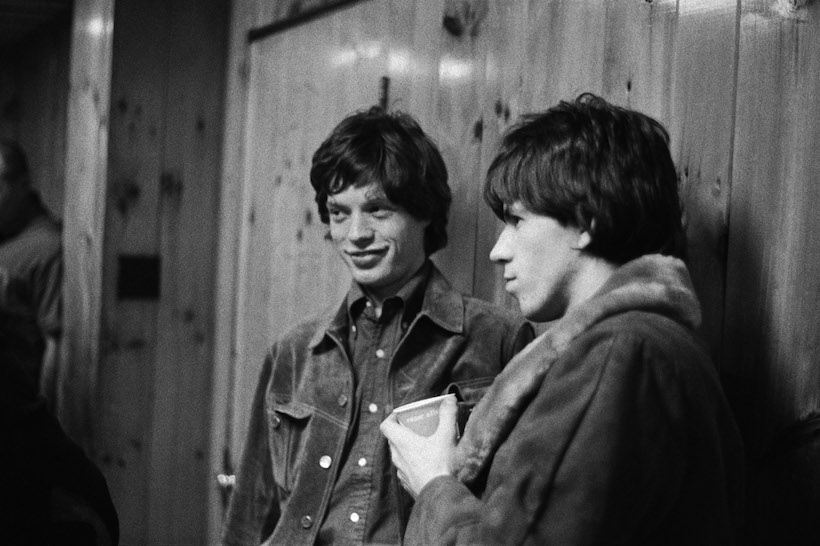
254 505
621 445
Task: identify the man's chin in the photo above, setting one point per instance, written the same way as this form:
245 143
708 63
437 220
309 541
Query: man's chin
368 278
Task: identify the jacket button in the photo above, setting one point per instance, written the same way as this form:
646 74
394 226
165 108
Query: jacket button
307 521
325 461
342 400
276 421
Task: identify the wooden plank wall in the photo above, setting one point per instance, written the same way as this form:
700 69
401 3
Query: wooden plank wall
735 81
152 430
87 134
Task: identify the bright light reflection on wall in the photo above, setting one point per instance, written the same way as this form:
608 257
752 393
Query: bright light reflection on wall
97 26
454 69
398 62
350 55
369 50
343 58
686 7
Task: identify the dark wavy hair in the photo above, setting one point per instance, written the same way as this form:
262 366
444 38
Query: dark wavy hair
391 150
592 165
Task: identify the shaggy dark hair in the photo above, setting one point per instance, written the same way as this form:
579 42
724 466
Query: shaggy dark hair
390 150
595 166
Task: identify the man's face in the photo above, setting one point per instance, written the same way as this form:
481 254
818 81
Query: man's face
540 260
380 242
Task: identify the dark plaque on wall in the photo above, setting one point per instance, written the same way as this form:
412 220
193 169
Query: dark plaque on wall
138 277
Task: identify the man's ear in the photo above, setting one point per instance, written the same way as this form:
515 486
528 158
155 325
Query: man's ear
584 237
583 241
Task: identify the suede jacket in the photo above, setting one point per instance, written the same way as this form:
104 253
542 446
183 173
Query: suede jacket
301 415
609 428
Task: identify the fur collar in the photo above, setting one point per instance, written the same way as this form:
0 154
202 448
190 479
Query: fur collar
653 283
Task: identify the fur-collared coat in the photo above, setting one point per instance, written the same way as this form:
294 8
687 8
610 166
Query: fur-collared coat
610 428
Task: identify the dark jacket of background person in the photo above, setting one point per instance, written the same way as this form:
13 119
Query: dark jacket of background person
611 428
31 273
455 342
53 493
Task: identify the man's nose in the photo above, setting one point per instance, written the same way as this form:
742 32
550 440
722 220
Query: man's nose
360 228
500 252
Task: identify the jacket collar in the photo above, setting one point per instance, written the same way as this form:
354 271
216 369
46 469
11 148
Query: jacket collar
652 283
442 305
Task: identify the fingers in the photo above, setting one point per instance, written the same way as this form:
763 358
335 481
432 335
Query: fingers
447 417
391 428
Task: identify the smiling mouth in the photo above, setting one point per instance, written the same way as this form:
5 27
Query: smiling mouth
366 258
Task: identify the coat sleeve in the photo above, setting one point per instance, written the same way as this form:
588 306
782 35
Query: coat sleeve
594 456
254 507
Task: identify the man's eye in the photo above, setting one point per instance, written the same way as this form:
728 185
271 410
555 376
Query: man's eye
380 212
512 220
336 215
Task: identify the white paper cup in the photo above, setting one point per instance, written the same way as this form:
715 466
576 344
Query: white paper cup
421 416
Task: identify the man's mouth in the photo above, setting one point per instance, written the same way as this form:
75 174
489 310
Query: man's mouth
508 281
366 258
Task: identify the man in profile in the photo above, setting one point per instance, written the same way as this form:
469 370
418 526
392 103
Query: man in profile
611 427
31 272
315 469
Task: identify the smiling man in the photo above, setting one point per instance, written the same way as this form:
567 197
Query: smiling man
315 468
611 427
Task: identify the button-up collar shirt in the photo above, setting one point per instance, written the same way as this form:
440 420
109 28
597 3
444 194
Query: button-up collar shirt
363 506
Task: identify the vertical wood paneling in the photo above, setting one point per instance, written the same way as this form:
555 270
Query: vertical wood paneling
164 167
130 326
701 128
504 34
84 212
187 238
771 342
414 47
773 252
565 51
457 130
230 224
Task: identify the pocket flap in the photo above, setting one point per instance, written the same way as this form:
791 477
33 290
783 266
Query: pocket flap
293 409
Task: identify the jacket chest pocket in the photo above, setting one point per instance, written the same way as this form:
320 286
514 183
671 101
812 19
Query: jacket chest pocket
287 427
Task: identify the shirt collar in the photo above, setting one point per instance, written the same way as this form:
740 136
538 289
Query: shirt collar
410 295
443 305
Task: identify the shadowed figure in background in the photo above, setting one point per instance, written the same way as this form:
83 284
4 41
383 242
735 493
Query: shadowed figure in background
31 274
53 493
315 468
611 427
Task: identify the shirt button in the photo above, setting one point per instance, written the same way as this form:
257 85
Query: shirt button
276 421
342 400
354 517
353 329
325 461
362 461
368 304
380 353
307 521
372 408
